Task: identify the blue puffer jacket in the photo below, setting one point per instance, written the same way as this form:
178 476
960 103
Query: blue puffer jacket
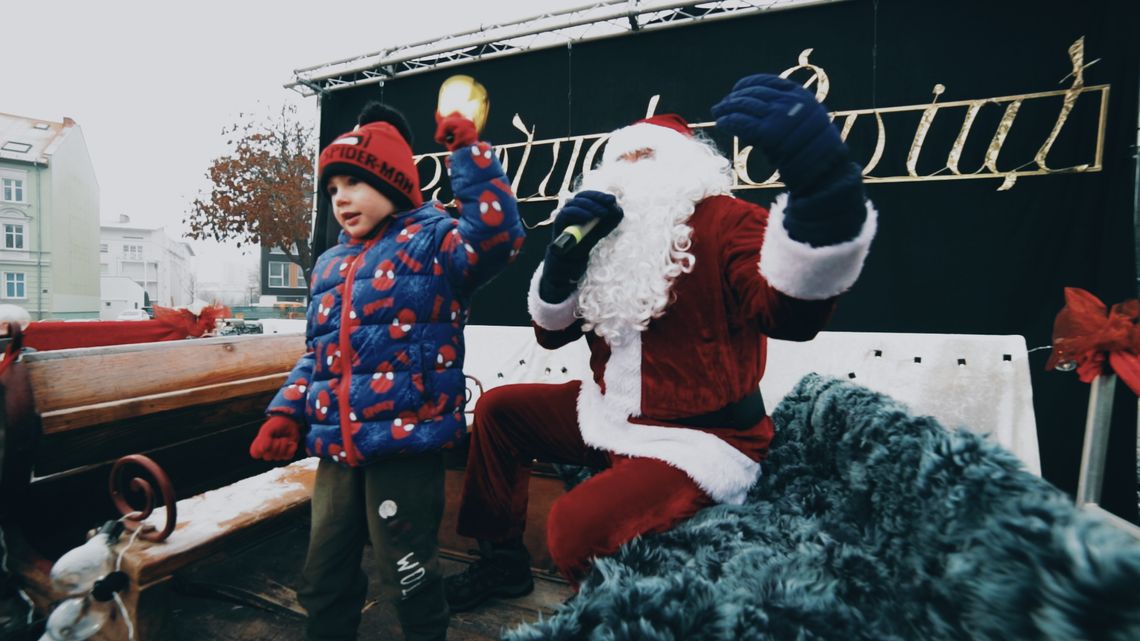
383 373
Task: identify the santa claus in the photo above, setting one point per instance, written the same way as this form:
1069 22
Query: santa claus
675 288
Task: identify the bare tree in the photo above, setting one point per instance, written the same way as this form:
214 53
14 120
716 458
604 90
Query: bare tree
253 284
190 286
262 190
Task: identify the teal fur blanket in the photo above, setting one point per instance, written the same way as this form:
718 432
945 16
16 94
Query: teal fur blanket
868 523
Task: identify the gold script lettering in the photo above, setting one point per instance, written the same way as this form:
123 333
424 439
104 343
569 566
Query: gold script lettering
885 117
1077 56
923 128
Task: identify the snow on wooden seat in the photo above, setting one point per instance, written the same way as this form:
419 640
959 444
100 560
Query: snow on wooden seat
219 518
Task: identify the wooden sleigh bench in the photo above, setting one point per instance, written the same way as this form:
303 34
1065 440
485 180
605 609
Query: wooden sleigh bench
192 407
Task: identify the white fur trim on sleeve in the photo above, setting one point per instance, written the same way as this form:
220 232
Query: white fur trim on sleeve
812 273
551 316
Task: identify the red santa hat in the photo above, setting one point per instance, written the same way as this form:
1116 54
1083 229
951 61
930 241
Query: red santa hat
647 133
669 121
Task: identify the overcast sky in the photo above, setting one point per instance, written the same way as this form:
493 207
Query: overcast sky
152 84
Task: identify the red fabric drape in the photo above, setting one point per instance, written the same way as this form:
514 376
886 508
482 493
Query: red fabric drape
1094 337
167 325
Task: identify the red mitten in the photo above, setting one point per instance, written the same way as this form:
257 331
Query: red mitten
455 131
277 439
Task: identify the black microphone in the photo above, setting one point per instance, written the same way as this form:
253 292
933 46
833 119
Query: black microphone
571 236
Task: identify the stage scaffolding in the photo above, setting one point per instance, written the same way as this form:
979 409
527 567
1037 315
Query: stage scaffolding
544 31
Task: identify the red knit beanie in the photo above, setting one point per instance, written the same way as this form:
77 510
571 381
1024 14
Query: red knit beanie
377 151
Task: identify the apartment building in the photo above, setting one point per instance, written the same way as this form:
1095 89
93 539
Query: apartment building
49 218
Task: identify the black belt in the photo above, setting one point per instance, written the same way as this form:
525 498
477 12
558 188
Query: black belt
740 415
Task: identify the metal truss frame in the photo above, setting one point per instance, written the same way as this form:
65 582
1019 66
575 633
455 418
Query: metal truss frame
561 28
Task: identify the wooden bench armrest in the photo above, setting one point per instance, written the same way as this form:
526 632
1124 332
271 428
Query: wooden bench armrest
217 519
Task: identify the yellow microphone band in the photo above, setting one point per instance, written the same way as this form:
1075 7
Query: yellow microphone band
576 231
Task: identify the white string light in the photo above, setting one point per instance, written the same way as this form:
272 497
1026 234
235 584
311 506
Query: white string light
126 618
118 568
130 542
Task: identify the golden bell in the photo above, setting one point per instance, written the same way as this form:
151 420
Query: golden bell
465 95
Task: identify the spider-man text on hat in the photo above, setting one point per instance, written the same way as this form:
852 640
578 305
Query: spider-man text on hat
377 154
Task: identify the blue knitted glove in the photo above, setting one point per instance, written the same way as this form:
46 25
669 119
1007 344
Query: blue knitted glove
792 128
832 212
787 123
561 272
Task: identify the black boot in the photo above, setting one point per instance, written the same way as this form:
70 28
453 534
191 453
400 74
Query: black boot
503 570
423 616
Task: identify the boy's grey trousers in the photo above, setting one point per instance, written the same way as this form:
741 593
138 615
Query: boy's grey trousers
398 505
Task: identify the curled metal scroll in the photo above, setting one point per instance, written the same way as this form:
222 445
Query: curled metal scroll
472 384
132 518
469 392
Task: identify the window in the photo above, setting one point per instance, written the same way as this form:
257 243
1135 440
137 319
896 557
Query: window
286 275
277 273
14 285
18 147
102 248
13 190
133 252
13 236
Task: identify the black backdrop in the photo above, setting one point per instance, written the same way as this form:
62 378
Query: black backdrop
951 256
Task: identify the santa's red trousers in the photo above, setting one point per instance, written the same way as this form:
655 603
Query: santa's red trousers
516 424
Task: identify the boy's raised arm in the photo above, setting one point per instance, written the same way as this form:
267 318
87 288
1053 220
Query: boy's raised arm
489 233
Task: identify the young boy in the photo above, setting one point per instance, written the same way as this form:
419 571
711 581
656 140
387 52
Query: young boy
380 389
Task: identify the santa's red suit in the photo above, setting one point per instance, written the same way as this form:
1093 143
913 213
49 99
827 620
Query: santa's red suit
658 410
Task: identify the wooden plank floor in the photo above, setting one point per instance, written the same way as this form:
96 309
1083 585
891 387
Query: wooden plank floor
213 601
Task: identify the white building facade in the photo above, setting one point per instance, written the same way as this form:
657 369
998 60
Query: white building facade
119 294
49 219
162 266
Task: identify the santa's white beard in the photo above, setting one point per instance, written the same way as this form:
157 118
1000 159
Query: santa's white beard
631 270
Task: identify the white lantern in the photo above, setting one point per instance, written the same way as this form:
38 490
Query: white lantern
77 619
76 571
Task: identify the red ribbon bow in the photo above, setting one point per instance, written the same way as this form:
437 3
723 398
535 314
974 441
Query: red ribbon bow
192 324
1087 334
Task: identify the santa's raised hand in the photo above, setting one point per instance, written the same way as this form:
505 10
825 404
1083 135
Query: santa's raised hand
786 123
793 130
